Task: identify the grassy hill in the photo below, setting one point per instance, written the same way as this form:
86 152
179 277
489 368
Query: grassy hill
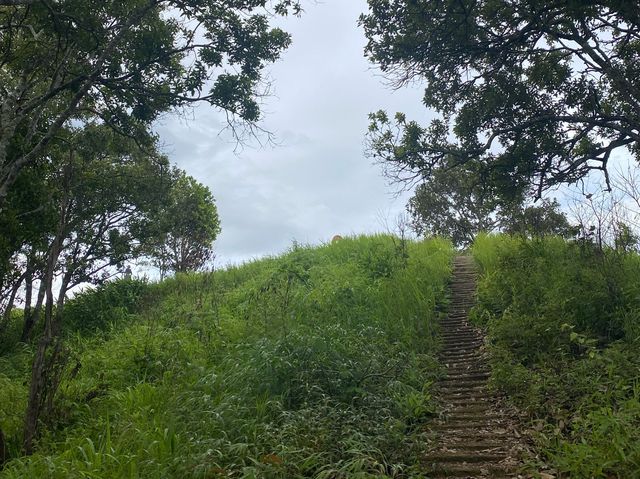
321 363
316 363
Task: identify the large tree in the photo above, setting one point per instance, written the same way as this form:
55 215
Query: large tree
125 62
536 92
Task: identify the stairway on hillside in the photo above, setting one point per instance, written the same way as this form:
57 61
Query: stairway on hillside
476 438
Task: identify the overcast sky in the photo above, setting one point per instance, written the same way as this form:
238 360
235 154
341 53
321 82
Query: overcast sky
317 182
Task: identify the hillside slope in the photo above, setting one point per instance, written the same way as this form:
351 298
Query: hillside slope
563 320
318 363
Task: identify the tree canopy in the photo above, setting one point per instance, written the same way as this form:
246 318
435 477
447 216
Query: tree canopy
186 225
125 63
456 203
453 204
535 92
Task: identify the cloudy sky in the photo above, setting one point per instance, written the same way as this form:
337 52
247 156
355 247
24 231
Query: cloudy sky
317 181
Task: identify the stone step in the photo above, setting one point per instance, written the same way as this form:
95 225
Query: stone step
473 429
460 350
455 416
468 410
451 355
447 393
462 376
449 398
480 373
465 445
473 359
452 349
462 329
450 342
457 344
478 364
466 367
452 399
477 417
448 383
465 457
454 324
457 326
469 471
462 333
473 442
461 356
470 400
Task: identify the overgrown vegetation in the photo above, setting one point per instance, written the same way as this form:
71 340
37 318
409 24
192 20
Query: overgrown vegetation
315 364
564 325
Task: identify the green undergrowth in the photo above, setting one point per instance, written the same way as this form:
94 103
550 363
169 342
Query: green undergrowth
564 325
317 363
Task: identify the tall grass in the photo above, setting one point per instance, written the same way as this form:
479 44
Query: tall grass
564 323
314 364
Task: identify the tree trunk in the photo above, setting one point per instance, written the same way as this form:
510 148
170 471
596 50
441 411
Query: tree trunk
3 449
33 317
48 352
47 368
38 388
6 315
28 289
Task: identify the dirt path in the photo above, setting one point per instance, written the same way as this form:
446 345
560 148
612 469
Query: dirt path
476 437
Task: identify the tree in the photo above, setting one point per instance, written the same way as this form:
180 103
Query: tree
126 62
542 219
186 227
455 204
536 92
26 222
104 192
459 203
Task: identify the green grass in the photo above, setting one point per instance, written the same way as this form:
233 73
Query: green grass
564 325
314 364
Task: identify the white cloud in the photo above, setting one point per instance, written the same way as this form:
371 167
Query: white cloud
317 183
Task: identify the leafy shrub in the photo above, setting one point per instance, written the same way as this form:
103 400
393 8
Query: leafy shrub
109 303
562 321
